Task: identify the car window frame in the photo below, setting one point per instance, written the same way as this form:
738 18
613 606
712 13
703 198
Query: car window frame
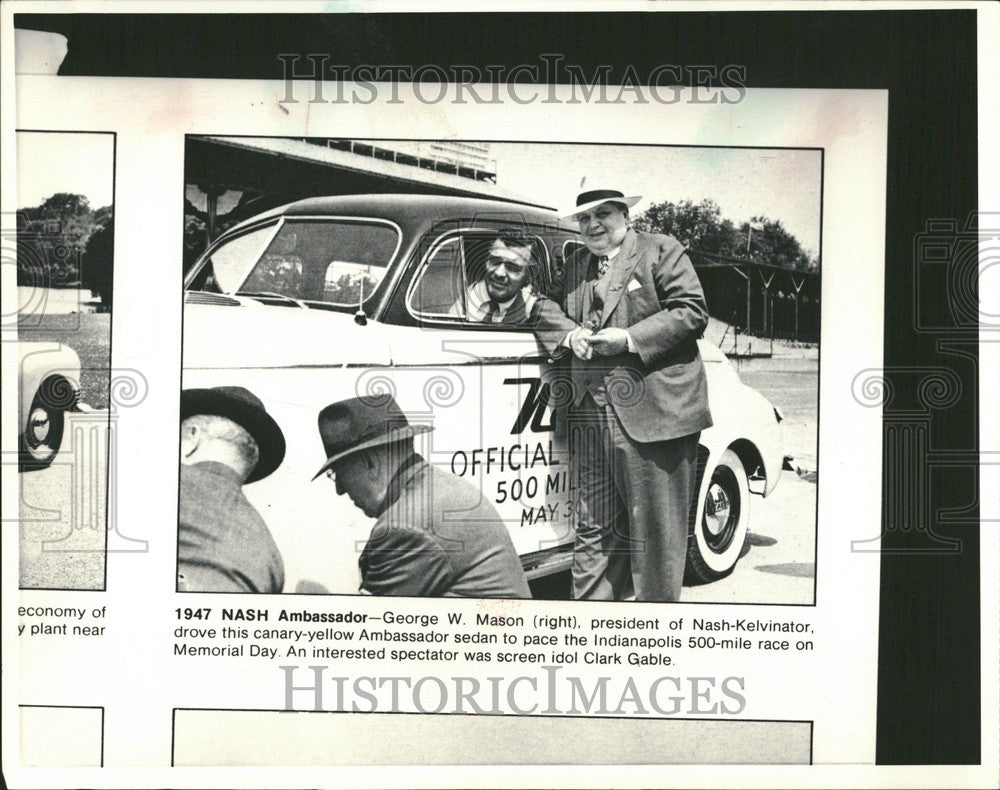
425 259
293 218
463 322
578 240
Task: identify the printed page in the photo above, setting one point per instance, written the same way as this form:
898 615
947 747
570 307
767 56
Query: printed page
375 426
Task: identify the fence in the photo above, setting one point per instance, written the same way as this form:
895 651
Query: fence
761 299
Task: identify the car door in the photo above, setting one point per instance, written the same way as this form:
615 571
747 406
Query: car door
481 386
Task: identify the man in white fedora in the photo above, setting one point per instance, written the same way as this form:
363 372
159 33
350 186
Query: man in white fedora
631 312
435 534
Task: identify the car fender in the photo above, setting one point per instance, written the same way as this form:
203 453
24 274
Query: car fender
39 361
740 415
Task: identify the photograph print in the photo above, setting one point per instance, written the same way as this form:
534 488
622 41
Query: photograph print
63 236
495 370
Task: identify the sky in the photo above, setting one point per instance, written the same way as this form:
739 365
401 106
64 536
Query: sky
780 184
78 163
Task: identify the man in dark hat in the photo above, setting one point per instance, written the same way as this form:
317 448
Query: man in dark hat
632 312
227 440
435 534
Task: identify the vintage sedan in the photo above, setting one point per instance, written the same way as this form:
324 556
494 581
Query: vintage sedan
329 298
49 387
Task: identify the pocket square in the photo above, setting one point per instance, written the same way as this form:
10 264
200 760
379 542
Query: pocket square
633 285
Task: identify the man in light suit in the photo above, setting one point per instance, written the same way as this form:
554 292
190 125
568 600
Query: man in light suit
631 314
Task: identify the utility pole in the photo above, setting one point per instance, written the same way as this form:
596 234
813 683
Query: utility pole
750 229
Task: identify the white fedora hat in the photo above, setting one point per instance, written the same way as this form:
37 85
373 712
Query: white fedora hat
591 198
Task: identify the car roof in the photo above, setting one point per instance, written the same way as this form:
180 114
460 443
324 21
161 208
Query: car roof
410 210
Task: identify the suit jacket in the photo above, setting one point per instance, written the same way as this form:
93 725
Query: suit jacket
438 537
660 392
223 545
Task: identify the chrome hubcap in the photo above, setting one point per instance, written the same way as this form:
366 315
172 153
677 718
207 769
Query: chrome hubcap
717 509
38 426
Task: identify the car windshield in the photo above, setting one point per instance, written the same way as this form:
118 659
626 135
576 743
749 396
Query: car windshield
335 263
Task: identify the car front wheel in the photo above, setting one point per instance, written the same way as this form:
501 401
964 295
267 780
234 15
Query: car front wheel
720 524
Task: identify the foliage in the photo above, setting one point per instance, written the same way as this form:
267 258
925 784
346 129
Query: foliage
699 226
702 228
52 239
99 263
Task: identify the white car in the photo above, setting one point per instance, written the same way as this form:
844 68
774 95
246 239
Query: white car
329 298
49 387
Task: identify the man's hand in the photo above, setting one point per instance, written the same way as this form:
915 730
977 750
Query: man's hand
579 341
609 341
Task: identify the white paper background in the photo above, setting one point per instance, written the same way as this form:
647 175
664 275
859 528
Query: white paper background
132 674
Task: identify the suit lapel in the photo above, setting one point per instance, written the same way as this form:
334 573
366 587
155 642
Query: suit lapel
622 268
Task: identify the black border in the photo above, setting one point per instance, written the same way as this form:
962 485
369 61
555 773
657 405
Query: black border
929 695
111 335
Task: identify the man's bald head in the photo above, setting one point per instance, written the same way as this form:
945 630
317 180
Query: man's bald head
210 437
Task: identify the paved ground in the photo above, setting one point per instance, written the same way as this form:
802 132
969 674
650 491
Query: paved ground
779 564
63 514
796 393
45 302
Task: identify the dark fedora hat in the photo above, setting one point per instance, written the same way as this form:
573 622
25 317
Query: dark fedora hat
246 410
355 424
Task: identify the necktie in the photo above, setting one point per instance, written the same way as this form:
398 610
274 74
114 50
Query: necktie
602 266
492 308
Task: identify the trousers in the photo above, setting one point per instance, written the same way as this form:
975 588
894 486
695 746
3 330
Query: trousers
634 509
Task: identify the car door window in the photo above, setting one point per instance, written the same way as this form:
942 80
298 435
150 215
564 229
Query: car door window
450 285
333 263
440 290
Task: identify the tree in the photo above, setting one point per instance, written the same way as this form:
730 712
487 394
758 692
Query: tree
702 228
776 246
99 264
52 237
698 226
65 204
